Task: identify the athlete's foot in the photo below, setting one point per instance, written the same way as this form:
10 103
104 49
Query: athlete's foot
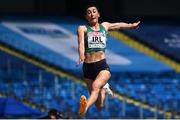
83 105
109 91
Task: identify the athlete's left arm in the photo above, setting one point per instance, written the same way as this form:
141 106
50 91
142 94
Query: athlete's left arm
120 25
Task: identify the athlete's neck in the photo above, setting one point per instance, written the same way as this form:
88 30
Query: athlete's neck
94 26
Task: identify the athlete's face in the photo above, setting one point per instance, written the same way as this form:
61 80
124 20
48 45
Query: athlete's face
92 14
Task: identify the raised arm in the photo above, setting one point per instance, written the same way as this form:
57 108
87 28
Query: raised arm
81 49
120 25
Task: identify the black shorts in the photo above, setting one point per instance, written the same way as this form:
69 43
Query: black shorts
91 70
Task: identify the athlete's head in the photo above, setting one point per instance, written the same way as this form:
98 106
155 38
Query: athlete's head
91 13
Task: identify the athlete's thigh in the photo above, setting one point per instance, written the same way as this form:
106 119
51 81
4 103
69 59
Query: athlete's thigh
102 78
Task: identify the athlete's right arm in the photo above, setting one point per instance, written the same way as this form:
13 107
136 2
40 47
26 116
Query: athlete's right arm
81 49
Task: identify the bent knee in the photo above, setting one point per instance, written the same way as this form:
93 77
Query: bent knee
95 87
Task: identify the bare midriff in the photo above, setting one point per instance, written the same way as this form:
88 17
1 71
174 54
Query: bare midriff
94 56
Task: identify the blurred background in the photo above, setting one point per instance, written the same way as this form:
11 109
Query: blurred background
38 54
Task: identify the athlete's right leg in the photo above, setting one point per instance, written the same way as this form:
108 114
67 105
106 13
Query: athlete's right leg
97 86
83 101
96 90
102 94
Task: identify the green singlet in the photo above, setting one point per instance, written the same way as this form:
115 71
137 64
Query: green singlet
95 40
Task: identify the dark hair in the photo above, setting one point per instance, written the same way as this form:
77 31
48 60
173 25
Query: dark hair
57 114
53 112
92 4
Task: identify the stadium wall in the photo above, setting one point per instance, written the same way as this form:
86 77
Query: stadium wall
109 8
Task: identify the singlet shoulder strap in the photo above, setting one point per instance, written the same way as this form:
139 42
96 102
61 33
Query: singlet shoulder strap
103 28
88 28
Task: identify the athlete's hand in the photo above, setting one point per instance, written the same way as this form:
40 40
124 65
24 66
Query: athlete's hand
81 59
135 25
